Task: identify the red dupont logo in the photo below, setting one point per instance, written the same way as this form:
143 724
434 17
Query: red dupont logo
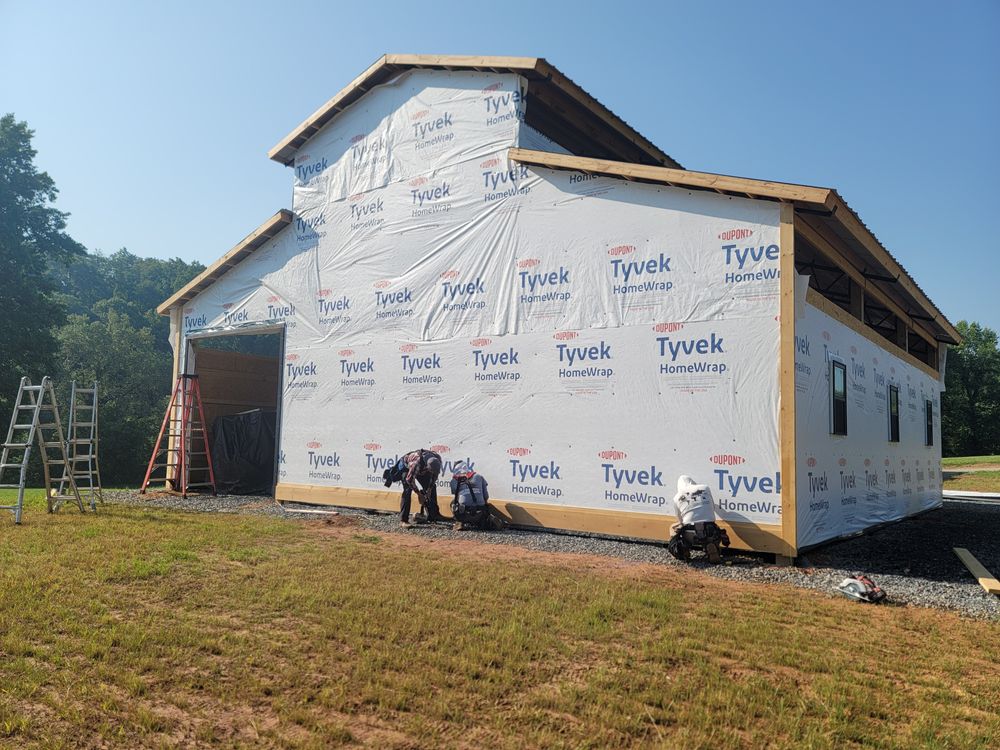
188 309
440 448
323 293
518 451
407 347
420 115
667 327
481 342
727 459
826 335
868 462
842 462
613 455
892 370
622 250
228 305
874 360
273 298
382 284
489 163
902 462
314 444
452 274
356 197
735 234
345 352
811 462
565 335
528 263
418 181
887 462
492 87
291 357
373 446
854 350
358 138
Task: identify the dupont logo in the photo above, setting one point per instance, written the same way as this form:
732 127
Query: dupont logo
481 342
420 115
613 455
518 451
854 350
314 444
228 305
324 293
373 446
441 449
887 462
291 357
621 250
868 462
188 310
273 298
735 234
346 352
358 138
528 263
493 87
826 335
811 462
452 274
668 327
842 462
565 335
383 284
727 459
490 163
874 360
417 181
902 462
892 370
406 348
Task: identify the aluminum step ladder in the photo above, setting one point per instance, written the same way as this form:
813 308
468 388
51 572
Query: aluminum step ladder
36 419
82 438
185 431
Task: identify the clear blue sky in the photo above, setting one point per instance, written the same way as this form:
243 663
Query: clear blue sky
155 119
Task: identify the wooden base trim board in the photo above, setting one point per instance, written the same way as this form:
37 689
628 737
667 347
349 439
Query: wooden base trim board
655 527
986 579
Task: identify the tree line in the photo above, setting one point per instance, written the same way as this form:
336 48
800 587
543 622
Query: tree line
79 315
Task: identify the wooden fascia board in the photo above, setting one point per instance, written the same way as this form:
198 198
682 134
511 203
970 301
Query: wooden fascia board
818 236
850 221
242 249
284 151
680 177
609 118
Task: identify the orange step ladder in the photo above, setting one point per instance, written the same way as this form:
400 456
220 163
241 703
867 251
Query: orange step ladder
185 429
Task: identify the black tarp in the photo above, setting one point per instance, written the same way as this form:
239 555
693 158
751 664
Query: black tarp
243 452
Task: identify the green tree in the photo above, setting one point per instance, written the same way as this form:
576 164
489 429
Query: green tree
970 405
32 240
134 378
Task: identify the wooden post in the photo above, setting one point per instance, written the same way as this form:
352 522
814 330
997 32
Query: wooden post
786 419
857 301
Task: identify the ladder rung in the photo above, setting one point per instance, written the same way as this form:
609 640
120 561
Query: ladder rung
31 388
10 486
23 426
17 445
200 484
83 424
26 406
11 466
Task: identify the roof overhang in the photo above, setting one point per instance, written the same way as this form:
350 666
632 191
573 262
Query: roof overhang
558 107
820 211
240 252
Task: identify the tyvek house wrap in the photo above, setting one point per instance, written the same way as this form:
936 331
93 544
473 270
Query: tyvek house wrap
580 340
848 483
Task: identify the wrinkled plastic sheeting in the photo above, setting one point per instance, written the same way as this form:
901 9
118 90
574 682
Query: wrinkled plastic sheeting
243 452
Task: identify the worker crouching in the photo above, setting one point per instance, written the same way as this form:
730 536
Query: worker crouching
695 528
470 500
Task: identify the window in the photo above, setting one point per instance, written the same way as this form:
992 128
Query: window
928 423
893 414
838 389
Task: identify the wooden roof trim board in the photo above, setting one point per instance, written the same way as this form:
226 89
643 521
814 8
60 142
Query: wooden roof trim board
558 92
238 253
825 199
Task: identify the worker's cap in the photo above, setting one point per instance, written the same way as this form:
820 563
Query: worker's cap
462 469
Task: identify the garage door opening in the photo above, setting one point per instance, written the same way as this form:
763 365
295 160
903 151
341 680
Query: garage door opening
240 380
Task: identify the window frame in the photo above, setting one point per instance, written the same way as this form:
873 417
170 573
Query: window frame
893 419
835 365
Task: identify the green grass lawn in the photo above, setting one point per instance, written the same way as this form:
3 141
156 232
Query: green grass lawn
969 461
144 628
976 481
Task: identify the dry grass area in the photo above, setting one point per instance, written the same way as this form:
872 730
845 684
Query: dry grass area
963 462
976 481
148 628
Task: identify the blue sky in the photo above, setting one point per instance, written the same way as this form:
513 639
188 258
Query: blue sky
155 119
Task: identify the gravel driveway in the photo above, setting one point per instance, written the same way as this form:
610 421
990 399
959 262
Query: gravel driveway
911 560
